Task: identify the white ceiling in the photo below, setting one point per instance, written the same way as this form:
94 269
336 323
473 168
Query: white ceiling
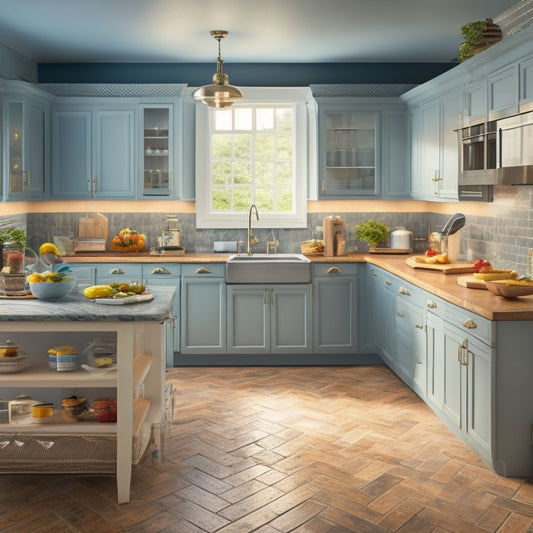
276 31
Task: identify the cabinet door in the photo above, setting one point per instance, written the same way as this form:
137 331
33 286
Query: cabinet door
248 319
71 154
435 360
383 326
203 315
446 186
335 313
526 85
113 154
349 153
291 319
157 155
429 152
503 92
454 401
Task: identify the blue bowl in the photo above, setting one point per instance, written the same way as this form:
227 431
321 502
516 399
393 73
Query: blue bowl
50 290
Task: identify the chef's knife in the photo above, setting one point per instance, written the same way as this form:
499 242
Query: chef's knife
454 224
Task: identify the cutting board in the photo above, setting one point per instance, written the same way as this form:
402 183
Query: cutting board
471 282
448 268
94 227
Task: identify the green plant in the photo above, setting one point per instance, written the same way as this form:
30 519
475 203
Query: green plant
472 32
373 232
12 235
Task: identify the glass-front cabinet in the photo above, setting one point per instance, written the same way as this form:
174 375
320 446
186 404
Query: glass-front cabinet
350 162
157 149
25 146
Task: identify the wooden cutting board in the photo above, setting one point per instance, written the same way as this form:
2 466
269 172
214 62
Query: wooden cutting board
448 268
94 227
471 282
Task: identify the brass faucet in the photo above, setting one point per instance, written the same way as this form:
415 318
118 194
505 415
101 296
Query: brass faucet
251 238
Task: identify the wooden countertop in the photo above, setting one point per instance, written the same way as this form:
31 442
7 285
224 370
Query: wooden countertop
445 286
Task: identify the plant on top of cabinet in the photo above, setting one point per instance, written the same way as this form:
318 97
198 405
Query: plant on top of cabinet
479 35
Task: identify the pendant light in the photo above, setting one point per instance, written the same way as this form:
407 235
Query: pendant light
220 93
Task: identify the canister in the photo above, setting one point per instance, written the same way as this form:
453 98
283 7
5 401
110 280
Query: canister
63 358
401 239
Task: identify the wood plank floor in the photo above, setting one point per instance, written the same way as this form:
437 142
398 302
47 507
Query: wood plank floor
272 450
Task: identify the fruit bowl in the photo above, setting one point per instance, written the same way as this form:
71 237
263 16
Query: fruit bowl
503 288
50 290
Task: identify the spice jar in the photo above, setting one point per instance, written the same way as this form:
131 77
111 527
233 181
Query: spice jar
12 258
105 409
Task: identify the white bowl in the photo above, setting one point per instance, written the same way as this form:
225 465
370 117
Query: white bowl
50 290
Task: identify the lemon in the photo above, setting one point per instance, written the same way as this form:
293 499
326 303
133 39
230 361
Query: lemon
48 248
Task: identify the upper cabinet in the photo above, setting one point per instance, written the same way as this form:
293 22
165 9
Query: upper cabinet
93 152
502 92
362 148
26 126
434 148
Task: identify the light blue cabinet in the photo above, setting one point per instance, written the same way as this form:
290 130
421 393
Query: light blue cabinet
119 273
203 309
269 319
167 275
93 153
362 148
26 138
335 308
503 92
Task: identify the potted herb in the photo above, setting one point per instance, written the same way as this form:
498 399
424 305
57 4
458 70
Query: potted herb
373 232
479 35
11 235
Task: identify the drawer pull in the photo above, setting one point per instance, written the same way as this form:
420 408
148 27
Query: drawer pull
403 290
116 270
469 323
334 270
462 353
431 305
203 270
160 270
419 326
399 313
374 273
388 282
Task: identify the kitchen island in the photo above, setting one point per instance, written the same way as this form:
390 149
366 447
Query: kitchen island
138 384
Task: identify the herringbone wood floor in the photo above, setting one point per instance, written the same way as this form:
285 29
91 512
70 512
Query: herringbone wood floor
270 450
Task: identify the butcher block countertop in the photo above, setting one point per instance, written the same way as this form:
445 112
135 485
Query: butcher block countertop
445 286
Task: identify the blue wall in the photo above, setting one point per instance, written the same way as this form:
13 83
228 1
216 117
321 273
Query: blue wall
251 74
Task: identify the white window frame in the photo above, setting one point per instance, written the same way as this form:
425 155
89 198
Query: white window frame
305 143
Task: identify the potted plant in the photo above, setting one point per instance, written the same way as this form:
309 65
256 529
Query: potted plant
11 235
373 232
479 35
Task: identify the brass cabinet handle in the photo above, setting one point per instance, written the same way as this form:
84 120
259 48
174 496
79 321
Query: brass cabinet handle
388 282
469 323
431 305
462 353
116 270
334 270
403 290
399 313
160 270
419 326
203 270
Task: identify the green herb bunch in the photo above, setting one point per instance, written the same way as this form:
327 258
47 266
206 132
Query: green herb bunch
12 235
472 32
373 232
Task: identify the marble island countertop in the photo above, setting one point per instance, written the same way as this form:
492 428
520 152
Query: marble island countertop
445 286
76 307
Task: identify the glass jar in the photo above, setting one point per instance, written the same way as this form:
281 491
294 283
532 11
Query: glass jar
12 258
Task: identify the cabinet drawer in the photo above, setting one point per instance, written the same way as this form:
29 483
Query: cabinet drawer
119 272
408 292
335 269
408 316
436 306
161 270
470 323
207 270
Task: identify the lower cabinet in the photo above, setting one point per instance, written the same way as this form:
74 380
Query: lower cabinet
269 319
203 309
335 308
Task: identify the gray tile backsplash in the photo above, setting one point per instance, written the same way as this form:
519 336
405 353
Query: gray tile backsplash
503 238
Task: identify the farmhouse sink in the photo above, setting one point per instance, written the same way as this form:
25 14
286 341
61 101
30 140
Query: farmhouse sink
268 268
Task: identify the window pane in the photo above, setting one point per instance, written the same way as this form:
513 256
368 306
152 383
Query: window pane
264 173
221 200
243 118
284 201
221 172
284 119
284 174
264 146
221 145
242 173
284 146
242 197
265 118
264 199
242 145
224 120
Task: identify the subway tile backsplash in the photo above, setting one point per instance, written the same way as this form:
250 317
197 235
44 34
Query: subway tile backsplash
504 238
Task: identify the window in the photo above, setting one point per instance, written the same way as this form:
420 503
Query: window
255 151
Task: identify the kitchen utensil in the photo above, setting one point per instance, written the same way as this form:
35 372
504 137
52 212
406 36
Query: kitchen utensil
454 224
401 239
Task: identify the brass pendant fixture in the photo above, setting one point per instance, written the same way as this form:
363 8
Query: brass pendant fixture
220 93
